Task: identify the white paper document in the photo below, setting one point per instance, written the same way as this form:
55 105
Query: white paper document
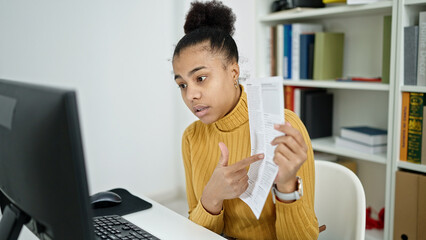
265 99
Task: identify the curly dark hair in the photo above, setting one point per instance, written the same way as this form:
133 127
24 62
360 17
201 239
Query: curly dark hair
210 14
210 21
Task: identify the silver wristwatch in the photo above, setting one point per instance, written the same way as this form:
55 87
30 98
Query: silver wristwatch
296 195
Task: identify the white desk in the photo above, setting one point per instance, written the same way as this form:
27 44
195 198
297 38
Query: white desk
166 224
161 222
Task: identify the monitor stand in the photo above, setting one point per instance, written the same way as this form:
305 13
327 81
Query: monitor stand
12 222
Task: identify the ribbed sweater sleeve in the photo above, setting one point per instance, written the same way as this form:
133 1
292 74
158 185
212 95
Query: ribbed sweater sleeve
297 220
197 213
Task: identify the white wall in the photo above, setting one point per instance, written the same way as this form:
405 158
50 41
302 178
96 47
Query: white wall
245 34
117 55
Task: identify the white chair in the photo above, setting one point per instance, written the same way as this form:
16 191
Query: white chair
339 202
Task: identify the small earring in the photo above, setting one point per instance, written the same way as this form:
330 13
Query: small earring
236 84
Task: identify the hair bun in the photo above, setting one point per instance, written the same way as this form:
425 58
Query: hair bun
210 14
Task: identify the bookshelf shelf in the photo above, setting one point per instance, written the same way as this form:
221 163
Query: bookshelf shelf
413 89
338 85
412 166
373 234
381 7
414 2
328 145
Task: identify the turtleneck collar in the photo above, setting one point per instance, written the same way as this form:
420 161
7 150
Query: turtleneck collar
237 117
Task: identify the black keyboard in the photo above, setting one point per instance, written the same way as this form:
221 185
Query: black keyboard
115 227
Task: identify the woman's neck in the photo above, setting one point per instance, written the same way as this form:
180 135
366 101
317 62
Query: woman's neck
236 99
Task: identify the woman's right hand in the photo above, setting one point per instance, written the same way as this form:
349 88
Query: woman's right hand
226 182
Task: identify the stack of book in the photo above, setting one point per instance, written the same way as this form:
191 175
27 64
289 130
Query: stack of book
364 139
413 128
314 106
305 51
414 53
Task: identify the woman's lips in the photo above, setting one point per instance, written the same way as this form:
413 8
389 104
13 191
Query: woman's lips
201 110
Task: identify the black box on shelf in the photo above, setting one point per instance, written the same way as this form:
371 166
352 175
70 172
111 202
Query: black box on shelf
289 4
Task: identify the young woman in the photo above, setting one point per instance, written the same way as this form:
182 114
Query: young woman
216 149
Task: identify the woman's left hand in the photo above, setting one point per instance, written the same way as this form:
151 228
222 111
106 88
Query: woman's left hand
290 154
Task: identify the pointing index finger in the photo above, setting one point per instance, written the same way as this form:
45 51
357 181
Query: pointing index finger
247 161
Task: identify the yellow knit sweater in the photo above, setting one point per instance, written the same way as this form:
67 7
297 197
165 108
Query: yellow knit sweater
201 154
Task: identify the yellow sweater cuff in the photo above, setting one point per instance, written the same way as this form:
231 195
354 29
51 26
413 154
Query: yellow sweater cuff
200 216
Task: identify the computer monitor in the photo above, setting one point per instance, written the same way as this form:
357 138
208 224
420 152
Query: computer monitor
42 171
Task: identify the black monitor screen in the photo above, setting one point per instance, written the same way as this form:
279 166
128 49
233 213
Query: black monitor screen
42 173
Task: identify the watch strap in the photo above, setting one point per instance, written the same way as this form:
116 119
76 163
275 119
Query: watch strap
296 195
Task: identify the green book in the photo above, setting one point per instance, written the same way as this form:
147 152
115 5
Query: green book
328 55
415 123
387 27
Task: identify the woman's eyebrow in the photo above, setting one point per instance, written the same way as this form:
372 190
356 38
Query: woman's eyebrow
191 72
195 70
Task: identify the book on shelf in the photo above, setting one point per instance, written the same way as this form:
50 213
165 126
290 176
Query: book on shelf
359 79
386 48
297 106
291 48
333 1
307 41
372 149
301 98
317 113
279 50
421 57
403 145
289 97
328 55
272 50
411 48
423 149
287 51
415 123
365 134
297 98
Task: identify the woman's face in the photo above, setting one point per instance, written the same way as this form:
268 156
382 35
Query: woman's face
206 81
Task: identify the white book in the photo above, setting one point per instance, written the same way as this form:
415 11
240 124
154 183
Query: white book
270 46
297 107
365 134
280 50
359 146
421 56
297 29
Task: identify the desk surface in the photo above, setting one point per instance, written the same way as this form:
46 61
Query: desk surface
167 224
161 222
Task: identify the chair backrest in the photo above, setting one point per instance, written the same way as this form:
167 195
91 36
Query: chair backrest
339 202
